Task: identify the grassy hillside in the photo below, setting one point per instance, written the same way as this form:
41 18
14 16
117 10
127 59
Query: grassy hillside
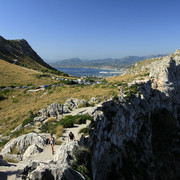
20 51
15 108
13 75
16 103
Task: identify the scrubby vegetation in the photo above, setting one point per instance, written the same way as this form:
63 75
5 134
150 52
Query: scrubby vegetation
29 119
82 162
69 120
85 131
56 72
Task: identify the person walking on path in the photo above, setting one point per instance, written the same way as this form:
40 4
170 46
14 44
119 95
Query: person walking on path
52 142
71 136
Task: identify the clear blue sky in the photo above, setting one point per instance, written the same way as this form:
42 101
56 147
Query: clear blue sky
90 29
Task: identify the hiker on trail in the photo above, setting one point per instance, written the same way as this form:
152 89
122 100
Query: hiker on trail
71 136
52 142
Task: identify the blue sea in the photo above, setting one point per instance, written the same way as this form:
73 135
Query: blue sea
84 72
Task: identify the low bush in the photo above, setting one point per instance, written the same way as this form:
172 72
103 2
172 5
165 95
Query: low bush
83 170
50 127
85 131
82 162
67 122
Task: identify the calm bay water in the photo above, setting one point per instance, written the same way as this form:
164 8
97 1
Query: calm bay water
90 72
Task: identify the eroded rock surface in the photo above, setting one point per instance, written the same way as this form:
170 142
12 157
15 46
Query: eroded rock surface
140 138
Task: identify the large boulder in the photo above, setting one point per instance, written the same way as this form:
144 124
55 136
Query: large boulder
23 142
32 150
72 104
51 111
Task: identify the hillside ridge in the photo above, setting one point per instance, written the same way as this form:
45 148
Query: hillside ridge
21 53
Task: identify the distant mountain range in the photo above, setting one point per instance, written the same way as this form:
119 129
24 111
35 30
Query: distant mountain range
108 63
20 52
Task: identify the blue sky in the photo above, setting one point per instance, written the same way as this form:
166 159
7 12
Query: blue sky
91 29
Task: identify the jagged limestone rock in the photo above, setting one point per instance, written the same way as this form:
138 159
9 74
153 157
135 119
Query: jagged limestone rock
58 169
74 103
32 150
51 111
23 142
139 138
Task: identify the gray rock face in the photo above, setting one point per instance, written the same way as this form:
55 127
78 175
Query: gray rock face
51 111
32 150
72 104
58 169
23 142
139 138
94 100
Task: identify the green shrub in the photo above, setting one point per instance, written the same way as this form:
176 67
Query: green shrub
82 162
67 122
84 171
48 127
85 131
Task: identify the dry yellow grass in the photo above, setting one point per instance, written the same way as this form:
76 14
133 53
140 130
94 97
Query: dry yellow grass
59 131
12 114
14 110
126 77
11 74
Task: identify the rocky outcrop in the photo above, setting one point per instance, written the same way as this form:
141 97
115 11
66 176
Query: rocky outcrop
51 111
72 104
55 109
32 150
57 169
139 137
20 145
